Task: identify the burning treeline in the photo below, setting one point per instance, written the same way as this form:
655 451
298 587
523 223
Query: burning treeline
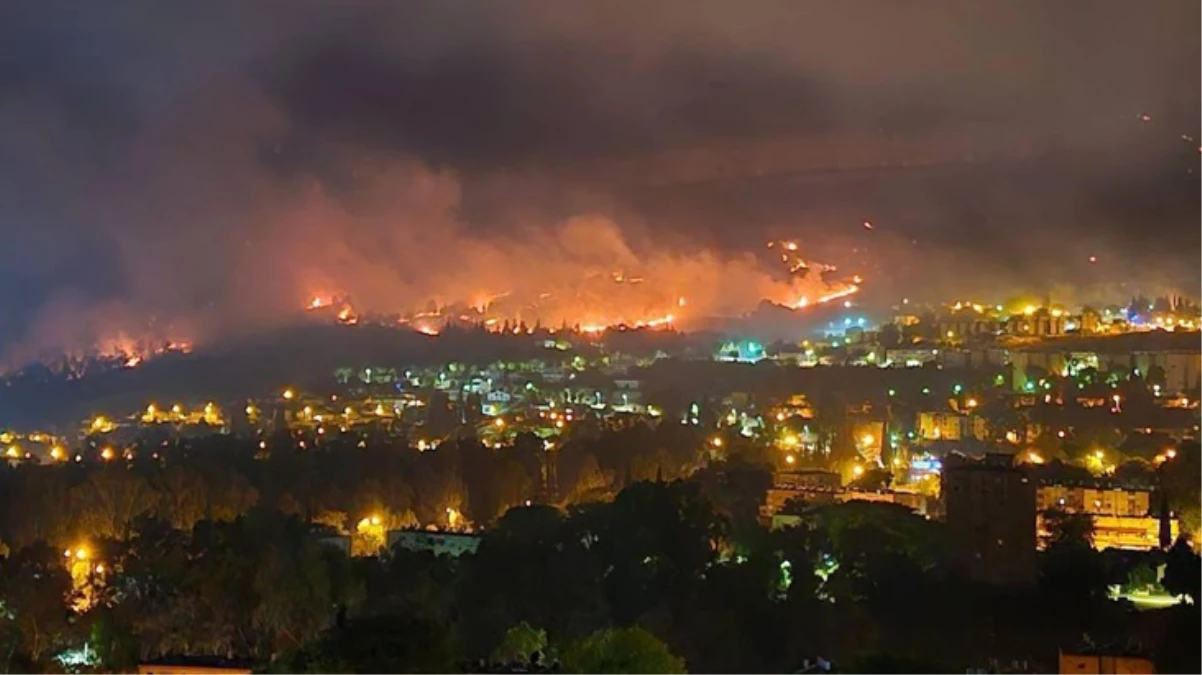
395 248
592 287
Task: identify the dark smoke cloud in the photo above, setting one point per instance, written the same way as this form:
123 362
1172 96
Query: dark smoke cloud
201 167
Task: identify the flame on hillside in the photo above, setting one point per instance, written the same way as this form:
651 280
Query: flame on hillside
627 298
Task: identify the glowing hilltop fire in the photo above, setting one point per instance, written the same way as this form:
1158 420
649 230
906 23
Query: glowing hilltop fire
624 298
116 351
582 274
802 268
841 293
135 353
72 340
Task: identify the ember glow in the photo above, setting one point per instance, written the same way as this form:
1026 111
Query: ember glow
390 176
657 291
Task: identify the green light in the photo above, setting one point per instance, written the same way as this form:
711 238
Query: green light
926 390
893 392
957 389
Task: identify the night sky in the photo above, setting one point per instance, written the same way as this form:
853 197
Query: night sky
208 165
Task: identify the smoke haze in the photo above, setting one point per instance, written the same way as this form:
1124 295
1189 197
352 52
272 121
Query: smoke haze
190 170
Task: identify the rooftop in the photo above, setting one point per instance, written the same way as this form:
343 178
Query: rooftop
1148 341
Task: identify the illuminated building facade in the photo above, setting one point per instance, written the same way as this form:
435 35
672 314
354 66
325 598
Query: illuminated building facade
1098 501
453 544
1169 360
1094 662
1178 371
1121 518
910 358
951 426
1042 322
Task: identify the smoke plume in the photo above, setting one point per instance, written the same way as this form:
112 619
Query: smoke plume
178 172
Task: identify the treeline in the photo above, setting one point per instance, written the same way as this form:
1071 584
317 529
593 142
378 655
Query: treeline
206 548
668 575
220 478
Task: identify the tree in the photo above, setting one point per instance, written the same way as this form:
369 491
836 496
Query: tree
1183 571
509 485
35 507
295 602
1156 376
521 643
621 650
533 565
736 488
1141 579
110 499
654 539
1070 568
1075 530
590 484
889 335
230 495
440 491
378 644
182 497
35 588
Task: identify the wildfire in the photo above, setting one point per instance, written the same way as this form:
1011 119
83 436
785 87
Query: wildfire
841 293
800 268
656 323
628 297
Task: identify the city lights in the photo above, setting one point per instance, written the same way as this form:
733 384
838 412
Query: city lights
566 296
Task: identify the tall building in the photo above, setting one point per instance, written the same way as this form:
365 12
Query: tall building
990 510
